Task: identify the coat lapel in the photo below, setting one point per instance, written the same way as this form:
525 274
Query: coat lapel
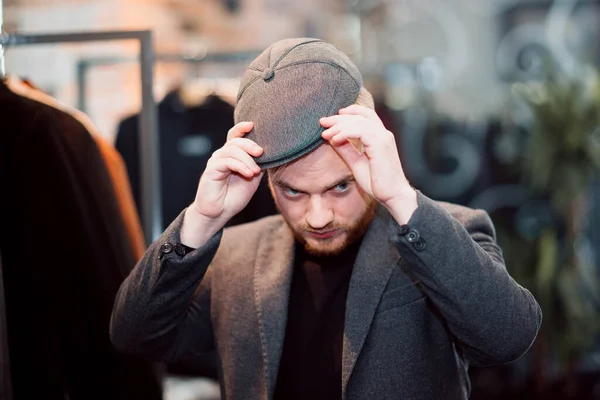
272 279
372 270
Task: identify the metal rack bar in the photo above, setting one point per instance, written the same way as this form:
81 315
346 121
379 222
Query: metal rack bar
148 127
5 374
1 46
85 64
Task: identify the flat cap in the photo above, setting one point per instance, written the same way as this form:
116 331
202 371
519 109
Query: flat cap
287 89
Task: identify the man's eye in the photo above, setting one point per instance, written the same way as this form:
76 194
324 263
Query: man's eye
341 187
291 192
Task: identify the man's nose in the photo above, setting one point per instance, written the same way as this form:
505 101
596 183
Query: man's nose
319 214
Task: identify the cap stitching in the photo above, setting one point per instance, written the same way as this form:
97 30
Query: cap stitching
276 62
292 152
269 57
247 86
323 62
299 63
288 51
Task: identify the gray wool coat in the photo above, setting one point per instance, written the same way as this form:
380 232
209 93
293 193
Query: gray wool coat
417 315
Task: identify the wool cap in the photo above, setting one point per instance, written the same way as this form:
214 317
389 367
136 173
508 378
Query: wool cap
287 89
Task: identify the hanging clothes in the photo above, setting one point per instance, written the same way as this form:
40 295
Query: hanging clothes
65 250
112 158
188 135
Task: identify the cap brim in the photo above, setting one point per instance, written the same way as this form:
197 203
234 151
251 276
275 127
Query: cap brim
288 159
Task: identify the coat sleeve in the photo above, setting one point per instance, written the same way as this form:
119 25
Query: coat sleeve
461 269
162 309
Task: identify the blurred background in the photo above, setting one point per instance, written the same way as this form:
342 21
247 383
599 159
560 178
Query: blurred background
495 104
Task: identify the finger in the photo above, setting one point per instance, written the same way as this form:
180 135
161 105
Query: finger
358 110
230 165
346 126
355 142
233 151
350 133
240 129
249 146
331 132
327 122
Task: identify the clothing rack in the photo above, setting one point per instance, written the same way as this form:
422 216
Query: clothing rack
1 46
148 137
5 375
85 64
148 142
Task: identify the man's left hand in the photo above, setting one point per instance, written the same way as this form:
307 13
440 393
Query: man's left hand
360 138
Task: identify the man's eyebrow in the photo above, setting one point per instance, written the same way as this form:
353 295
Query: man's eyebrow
279 182
283 184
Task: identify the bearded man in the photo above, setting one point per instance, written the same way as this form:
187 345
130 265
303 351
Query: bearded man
362 287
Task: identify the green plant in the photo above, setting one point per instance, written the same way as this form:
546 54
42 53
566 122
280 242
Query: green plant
562 158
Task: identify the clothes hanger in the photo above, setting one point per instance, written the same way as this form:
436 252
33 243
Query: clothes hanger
196 92
227 89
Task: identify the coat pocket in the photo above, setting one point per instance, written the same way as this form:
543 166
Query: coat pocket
399 296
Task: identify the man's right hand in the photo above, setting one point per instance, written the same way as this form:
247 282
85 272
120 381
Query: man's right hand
228 183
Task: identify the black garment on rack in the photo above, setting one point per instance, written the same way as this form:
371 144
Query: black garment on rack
64 254
187 138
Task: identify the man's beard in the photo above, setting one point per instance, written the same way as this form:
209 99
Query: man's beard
353 233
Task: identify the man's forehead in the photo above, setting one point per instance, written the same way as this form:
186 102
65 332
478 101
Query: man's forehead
323 162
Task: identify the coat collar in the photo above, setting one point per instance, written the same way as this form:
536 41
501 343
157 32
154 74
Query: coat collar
374 264
272 280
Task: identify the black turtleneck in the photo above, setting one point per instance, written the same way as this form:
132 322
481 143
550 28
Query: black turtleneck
311 361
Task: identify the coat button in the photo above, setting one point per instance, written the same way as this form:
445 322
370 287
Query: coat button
420 244
403 230
166 248
412 236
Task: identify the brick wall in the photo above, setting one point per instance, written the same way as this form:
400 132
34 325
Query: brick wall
184 26
462 40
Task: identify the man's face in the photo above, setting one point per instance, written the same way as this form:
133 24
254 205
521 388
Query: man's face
320 201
